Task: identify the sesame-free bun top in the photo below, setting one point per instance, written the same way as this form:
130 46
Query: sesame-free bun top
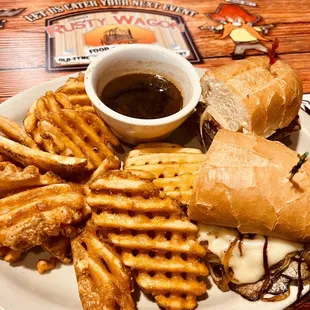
244 184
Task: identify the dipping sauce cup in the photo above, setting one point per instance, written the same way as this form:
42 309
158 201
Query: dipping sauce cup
142 58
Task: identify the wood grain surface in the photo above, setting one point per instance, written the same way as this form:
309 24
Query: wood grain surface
23 51
23 43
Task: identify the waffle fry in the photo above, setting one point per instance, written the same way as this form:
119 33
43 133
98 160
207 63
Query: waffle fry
82 135
75 89
44 265
4 158
14 132
53 102
15 178
156 144
59 247
173 166
154 236
43 160
72 95
58 129
103 280
110 163
50 102
9 255
30 217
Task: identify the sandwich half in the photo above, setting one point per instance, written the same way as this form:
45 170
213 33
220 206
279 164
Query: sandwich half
251 95
254 219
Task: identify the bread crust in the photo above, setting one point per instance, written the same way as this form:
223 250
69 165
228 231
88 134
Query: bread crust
244 184
270 94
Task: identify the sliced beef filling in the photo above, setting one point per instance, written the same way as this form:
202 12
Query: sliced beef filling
291 270
211 127
280 134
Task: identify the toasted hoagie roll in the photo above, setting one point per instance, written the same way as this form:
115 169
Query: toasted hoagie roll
251 95
254 215
245 184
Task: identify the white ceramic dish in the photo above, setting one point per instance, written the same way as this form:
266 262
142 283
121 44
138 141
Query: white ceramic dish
23 288
142 58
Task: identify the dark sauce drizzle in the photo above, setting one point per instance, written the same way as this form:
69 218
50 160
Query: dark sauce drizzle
240 244
240 238
266 267
300 280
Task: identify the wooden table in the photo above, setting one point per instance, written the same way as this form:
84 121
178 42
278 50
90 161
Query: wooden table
23 60
23 43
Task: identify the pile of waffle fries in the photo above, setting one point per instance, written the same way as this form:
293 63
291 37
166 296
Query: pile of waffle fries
62 189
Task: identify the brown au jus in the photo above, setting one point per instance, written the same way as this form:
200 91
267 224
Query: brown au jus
141 95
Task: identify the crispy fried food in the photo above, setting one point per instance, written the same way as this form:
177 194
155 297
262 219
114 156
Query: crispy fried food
155 237
31 217
174 167
9 255
30 120
82 135
15 178
51 102
14 132
110 163
103 280
71 95
59 247
45 161
4 158
156 145
58 129
75 90
44 265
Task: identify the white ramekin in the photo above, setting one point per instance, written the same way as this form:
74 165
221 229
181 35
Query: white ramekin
142 58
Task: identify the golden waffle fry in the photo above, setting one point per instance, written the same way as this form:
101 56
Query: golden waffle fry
75 89
3 158
71 133
156 144
110 163
9 255
59 247
49 102
154 236
30 217
15 178
44 265
89 109
60 130
53 102
43 160
174 167
144 175
14 132
104 282
30 120
65 100
179 187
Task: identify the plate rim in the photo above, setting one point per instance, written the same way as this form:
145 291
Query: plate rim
53 84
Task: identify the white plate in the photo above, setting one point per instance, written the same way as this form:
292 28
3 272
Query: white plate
23 288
